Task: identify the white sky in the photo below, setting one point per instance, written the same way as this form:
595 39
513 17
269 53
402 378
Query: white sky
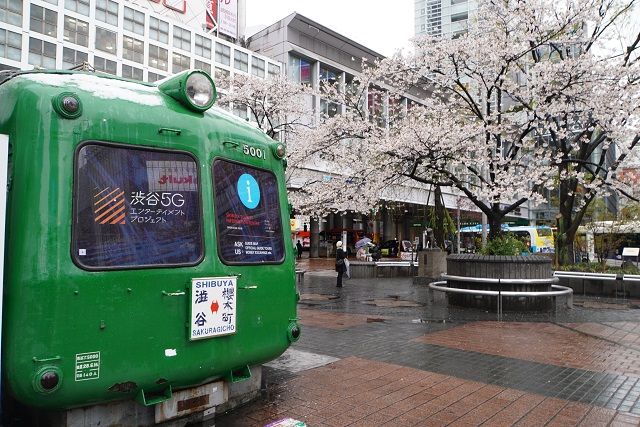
383 26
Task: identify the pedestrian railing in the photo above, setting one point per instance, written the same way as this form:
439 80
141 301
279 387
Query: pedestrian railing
441 286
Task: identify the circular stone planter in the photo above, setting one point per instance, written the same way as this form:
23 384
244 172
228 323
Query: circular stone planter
500 267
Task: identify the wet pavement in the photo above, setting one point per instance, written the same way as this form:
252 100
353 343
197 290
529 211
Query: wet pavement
379 352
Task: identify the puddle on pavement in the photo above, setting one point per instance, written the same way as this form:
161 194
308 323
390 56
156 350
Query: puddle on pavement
392 302
605 305
317 297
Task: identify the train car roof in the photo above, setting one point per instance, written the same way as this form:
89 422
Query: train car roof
115 88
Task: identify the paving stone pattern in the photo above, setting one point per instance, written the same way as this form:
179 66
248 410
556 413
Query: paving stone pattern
427 364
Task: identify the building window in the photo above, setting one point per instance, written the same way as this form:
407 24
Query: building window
106 40
274 70
105 65
10 45
158 57
180 63
133 20
80 6
257 67
71 57
114 186
107 11
133 73
462 16
203 47
76 31
328 75
241 61
133 49
240 111
158 30
182 38
199 65
42 53
11 12
223 54
44 21
299 70
52 1
154 77
328 109
458 1
222 78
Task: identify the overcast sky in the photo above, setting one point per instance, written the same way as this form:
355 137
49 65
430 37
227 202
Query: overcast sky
383 26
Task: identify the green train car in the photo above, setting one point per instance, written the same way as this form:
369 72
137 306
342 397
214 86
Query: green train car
147 244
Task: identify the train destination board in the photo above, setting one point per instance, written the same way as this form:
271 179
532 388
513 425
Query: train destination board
213 307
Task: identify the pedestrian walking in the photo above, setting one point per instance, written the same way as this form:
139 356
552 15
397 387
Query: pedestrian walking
341 267
299 249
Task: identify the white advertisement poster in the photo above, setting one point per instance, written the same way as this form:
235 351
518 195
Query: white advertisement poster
213 307
228 18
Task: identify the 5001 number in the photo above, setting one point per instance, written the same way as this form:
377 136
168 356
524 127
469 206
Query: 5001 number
254 152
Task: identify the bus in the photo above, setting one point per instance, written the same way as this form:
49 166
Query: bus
539 238
147 251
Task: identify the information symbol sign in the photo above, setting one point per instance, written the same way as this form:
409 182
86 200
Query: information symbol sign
248 191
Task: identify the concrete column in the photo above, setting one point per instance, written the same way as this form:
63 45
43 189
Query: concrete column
315 238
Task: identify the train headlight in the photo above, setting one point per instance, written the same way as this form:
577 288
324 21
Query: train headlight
200 90
194 89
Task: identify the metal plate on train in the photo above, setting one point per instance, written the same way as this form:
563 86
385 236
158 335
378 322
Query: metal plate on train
190 401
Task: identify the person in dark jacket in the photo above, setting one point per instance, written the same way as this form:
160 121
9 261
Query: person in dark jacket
341 268
299 249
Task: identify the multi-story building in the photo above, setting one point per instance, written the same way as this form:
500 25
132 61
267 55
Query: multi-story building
442 17
138 39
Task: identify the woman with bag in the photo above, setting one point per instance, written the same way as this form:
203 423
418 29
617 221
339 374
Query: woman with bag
341 255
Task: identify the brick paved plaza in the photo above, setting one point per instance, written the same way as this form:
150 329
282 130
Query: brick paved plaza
379 352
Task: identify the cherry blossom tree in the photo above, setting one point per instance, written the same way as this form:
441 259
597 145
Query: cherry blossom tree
535 93
276 105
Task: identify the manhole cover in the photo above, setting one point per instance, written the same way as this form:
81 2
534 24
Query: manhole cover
391 302
317 297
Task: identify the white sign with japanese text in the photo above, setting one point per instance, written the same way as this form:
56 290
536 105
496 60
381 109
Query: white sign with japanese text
228 17
213 307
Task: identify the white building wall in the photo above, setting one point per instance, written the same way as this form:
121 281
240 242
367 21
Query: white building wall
18 55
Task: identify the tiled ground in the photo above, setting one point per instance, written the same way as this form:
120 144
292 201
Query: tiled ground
541 342
426 364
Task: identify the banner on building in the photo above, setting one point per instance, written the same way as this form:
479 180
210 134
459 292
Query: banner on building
212 14
228 18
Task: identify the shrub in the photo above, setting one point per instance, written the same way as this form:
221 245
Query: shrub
596 267
505 244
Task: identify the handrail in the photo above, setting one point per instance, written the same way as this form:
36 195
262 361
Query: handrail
498 281
437 286
598 276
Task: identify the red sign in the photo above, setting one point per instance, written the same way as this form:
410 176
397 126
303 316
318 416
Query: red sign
212 13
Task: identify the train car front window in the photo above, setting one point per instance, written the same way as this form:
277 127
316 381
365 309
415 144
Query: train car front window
135 208
247 214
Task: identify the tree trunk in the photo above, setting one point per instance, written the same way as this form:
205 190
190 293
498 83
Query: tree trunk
494 221
439 226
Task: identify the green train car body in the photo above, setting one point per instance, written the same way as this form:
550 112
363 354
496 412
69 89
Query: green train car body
147 243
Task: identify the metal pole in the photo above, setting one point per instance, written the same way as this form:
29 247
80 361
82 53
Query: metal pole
458 220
